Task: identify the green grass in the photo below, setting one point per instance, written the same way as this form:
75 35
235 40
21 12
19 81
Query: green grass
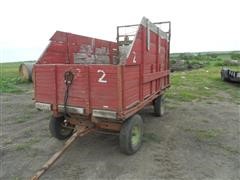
23 119
198 60
152 137
210 135
224 55
229 149
206 134
28 132
17 178
7 141
201 84
9 78
203 135
27 145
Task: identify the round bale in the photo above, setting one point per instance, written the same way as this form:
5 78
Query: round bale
25 71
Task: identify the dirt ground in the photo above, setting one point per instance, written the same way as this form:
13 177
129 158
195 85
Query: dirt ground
194 140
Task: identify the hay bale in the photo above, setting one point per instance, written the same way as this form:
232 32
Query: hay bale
25 71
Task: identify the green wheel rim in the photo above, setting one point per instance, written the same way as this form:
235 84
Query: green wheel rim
136 134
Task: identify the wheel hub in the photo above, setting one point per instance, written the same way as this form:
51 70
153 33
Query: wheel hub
136 134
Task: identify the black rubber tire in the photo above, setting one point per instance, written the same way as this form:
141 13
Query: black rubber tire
159 106
125 137
57 130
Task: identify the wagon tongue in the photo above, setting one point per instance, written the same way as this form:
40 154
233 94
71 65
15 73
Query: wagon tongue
68 79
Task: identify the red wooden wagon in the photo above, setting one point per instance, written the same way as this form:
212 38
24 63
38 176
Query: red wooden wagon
101 85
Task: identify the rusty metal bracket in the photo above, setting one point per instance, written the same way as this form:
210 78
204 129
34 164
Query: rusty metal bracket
81 131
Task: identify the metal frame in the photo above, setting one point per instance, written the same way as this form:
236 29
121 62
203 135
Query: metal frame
142 23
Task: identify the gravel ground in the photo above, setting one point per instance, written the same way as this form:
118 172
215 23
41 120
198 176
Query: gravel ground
194 140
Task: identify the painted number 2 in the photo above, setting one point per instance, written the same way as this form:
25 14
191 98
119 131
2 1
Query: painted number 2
102 76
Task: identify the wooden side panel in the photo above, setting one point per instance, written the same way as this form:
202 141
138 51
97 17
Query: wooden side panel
135 55
50 86
131 86
78 92
155 64
103 87
146 90
44 83
55 53
151 65
93 87
67 48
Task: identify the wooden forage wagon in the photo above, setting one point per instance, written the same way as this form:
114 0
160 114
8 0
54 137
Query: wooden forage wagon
97 85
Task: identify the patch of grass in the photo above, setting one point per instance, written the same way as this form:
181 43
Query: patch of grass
7 141
203 135
28 132
206 134
23 118
230 149
27 145
228 63
201 84
211 134
151 137
17 178
199 60
9 78
171 106
235 56
205 121
226 148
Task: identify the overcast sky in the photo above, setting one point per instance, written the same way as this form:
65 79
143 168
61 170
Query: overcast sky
204 25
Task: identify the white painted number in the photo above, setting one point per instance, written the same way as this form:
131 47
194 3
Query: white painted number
103 74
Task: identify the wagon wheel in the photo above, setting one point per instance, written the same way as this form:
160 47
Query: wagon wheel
57 128
159 106
131 135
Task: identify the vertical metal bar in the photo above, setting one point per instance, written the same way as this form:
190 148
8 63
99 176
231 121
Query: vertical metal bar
118 52
94 48
110 53
148 35
117 35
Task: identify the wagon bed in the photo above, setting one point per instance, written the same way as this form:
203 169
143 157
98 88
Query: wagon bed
96 85
111 80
